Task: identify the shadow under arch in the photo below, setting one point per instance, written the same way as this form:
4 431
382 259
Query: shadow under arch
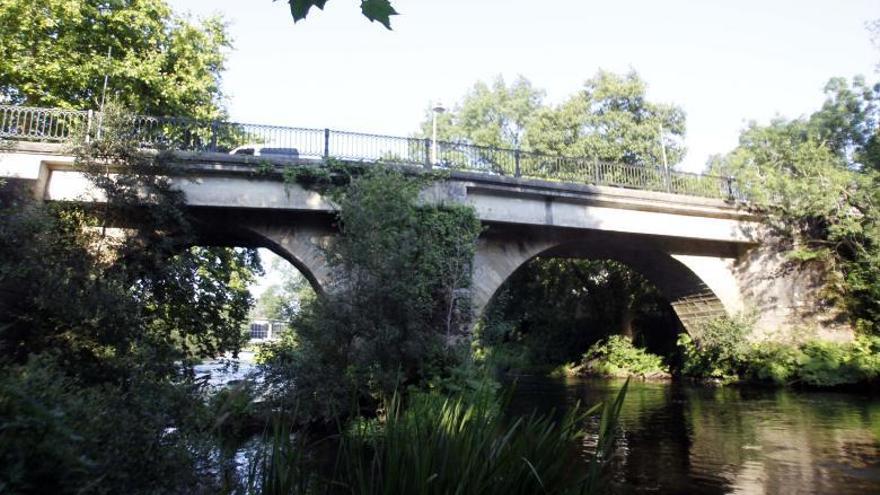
693 301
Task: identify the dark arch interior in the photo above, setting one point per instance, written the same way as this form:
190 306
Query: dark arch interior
553 308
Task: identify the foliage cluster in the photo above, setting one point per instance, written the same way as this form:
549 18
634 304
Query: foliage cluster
720 350
282 301
375 10
62 435
397 307
616 356
610 120
723 353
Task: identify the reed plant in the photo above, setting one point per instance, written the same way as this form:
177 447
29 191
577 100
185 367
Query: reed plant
432 444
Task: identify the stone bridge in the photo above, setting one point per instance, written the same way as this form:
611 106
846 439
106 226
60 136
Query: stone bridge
702 253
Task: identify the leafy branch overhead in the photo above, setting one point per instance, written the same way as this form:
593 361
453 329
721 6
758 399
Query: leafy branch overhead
374 10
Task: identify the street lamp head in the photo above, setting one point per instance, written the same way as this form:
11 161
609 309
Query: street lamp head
438 108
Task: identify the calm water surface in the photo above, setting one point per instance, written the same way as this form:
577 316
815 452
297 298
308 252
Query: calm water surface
679 438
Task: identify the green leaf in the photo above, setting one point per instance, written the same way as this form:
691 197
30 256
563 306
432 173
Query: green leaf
378 10
299 9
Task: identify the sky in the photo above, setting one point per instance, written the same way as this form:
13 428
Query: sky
724 62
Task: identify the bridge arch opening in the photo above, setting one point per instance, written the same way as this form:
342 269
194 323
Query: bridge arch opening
299 243
565 294
293 263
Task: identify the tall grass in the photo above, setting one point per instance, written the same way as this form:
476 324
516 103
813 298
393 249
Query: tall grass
434 444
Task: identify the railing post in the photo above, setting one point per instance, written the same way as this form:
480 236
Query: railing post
668 176
89 126
213 145
596 170
326 143
100 124
427 154
517 171
730 188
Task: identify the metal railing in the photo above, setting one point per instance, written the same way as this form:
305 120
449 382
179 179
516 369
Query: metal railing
57 125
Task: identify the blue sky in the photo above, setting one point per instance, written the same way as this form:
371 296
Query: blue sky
724 62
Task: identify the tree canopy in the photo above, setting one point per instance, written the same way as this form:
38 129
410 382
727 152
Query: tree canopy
495 115
55 53
817 178
610 119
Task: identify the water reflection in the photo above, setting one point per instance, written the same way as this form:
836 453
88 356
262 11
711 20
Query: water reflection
688 439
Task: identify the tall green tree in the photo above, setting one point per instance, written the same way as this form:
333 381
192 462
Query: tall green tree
817 178
611 119
55 53
494 115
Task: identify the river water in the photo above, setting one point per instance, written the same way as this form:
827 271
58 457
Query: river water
690 439
681 438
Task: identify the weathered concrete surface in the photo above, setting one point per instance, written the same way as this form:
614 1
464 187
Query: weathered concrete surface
703 254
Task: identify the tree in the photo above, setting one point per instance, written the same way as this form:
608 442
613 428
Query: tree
100 327
55 53
374 10
816 180
496 115
849 121
611 120
116 305
283 300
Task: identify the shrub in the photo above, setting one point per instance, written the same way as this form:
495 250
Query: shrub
774 362
723 353
58 436
617 356
866 356
718 351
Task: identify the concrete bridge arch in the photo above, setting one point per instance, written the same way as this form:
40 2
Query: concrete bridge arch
300 241
698 286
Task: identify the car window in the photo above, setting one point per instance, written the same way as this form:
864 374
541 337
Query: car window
280 151
244 151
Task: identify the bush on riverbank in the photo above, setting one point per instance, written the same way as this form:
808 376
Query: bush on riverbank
617 357
724 354
59 435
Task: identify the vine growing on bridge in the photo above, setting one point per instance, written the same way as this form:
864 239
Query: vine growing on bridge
399 303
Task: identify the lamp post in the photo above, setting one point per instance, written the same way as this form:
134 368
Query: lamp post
438 109
104 11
